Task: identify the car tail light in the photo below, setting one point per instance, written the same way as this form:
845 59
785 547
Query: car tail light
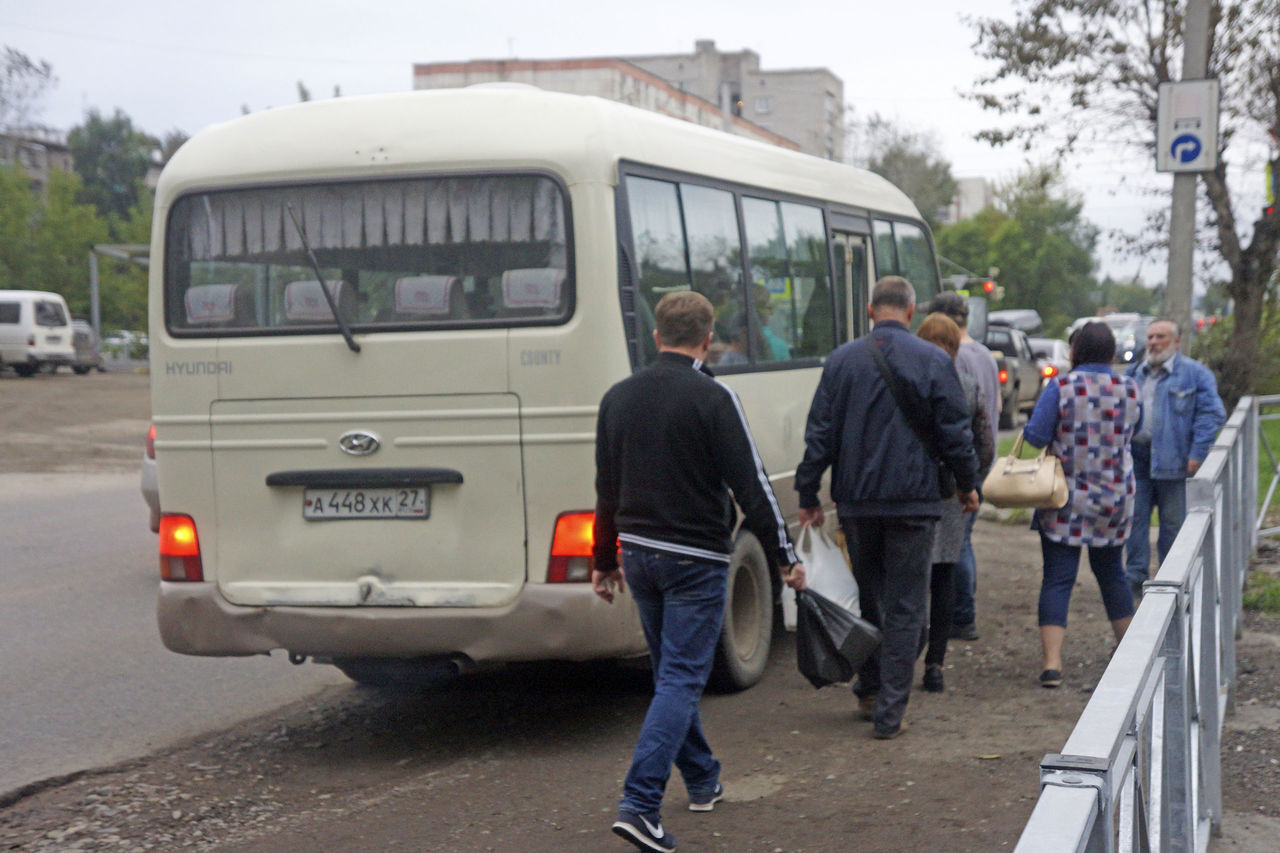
31 340
151 442
571 548
1004 376
1049 371
179 549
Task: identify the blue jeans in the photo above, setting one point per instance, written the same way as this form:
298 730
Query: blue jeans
965 577
1170 499
681 604
1062 562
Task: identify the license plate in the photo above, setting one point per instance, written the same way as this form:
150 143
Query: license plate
53 339
339 504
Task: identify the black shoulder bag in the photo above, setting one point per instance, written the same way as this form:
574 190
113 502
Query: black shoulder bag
946 480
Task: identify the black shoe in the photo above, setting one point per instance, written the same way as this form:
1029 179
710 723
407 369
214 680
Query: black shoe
964 632
706 802
933 679
890 734
1050 678
639 831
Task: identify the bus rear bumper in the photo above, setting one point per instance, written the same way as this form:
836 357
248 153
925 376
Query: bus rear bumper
545 622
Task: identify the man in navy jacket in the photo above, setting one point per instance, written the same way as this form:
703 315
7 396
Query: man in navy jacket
1182 414
885 483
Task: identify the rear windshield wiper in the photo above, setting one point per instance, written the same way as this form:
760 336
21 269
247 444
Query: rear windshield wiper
328 297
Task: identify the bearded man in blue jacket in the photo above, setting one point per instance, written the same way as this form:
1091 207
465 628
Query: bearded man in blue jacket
1182 414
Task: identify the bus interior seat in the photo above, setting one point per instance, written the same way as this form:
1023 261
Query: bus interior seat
429 296
219 306
532 292
305 304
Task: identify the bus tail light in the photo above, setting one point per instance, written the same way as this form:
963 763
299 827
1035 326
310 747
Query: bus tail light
179 549
1004 376
571 548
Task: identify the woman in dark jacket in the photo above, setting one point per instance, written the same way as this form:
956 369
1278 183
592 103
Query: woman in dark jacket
948 536
1088 419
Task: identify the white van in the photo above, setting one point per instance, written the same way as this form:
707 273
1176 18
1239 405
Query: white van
35 331
380 331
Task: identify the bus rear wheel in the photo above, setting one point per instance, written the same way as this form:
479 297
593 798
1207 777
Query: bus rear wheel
743 649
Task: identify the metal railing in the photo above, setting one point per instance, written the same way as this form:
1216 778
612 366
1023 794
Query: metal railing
1141 771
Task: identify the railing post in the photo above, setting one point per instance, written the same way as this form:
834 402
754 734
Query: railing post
1078 772
1210 691
1177 816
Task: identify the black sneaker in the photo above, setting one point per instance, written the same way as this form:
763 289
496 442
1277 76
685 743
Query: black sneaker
964 632
1050 678
706 802
933 679
642 833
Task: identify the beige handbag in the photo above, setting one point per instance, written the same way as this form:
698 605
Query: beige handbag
1037 483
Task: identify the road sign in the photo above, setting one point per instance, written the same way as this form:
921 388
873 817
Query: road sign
1187 126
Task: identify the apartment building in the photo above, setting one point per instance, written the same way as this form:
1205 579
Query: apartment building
801 109
37 151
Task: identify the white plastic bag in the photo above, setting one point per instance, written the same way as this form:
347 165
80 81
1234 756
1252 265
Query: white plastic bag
825 571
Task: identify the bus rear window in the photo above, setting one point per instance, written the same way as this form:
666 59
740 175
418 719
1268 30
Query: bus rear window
423 253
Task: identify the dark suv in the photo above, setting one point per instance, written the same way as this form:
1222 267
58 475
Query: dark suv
1020 378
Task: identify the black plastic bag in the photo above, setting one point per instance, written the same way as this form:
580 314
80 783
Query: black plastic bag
832 644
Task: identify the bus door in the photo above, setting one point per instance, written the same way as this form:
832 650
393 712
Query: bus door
853 292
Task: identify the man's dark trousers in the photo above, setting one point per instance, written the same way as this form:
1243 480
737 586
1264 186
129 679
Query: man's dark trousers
890 558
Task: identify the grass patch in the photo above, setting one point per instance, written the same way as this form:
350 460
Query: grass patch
1262 593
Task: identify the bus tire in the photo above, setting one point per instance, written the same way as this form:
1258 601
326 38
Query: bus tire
743 649
398 673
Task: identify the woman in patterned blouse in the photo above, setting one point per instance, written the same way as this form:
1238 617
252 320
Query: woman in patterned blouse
1088 418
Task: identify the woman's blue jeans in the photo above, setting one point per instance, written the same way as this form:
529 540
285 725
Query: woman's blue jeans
681 604
1062 562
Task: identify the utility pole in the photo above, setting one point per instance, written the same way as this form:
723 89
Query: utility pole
1182 214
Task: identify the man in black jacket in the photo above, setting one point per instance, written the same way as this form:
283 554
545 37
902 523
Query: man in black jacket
885 482
671 443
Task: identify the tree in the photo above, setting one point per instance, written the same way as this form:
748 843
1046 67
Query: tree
1108 57
1036 236
112 158
907 160
63 232
17 208
23 83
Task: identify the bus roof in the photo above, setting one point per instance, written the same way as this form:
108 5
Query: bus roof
497 126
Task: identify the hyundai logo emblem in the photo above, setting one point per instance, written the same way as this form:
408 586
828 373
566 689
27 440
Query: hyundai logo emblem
358 443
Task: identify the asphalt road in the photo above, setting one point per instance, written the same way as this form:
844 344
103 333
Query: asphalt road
85 679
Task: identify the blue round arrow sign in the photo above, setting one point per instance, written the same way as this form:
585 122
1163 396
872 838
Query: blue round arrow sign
1185 148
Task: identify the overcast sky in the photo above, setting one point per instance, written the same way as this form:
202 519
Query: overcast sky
181 65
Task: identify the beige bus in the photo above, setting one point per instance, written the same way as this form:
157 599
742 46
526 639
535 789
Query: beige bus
380 330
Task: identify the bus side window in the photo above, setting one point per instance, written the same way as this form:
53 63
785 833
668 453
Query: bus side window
715 262
659 259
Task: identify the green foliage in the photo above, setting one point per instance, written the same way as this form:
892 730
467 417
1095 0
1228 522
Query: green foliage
64 232
17 210
112 158
1037 238
1213 345
1262 593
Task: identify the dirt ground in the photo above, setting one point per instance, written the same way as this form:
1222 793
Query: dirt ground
69 423
532 758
